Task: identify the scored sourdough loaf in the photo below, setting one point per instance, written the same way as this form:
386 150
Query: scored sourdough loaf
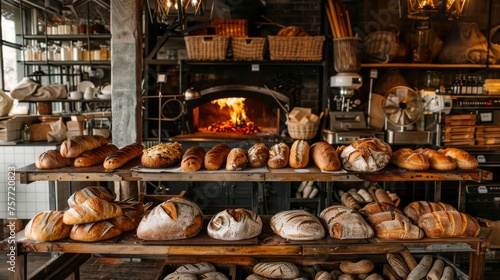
399 230
95 156
276 270
119 158
408 159
378 207
366 155
80 196
279 154
258 155
162 155
192 160
324 156
95 231
448 224
377 218
359 267
234 224
417 208
74 146
196 268
345 223
52 159
297 225
92 210
47 226
236 159
464 159
299 154
216 156
437 160
176 218
213 275
128 221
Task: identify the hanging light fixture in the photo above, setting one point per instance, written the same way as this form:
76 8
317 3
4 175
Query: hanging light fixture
431 9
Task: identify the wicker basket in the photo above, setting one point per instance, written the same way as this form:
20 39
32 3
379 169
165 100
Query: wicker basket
248 48
230 27
307 48
303 131
212 47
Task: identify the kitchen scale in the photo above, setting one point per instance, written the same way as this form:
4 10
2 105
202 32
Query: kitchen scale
346 126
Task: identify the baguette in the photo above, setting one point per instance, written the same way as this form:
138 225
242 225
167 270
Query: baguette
409 259
95 231
192 160
119 158
47 226
74 146
299 154
216 156
436 270
448 273
52 159
325 156
422 268
95 156
93 209
258 155
464 159
82 195
398 265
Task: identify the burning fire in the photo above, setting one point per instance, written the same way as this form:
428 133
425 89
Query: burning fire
238 122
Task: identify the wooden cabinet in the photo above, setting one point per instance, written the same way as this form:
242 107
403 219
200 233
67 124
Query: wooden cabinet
266 247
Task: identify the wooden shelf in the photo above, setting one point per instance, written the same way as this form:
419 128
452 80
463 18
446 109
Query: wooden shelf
423 65
66 37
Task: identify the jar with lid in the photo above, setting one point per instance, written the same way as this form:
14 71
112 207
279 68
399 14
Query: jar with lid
420 45
103 52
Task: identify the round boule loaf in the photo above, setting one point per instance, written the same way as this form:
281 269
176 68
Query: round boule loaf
196 268
234 224
279 155
283 270
366 155
258 155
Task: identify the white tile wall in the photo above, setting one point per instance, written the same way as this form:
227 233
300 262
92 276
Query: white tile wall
30 198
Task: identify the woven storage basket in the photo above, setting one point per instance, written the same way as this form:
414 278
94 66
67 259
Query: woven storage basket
303 131
306 48
230 27
248 48
212 47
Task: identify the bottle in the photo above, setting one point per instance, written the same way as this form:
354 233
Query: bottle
455 87
479 85
474 85
468 89
460 85
421 50
26 134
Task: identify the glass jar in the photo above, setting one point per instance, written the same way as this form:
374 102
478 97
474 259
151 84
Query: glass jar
108 51
103 52
85 54
98 27
83 27
421 51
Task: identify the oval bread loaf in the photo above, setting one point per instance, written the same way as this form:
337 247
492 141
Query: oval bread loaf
47 226
74 146
95 231
418 208
299 154
258 155
119 158
437 160
279 155
192 160
297 225
408 159
236 159
436 270
398 264
196 268
162 155
52 159
92 210
359 267
284 270
449 224
216 156
213 275
234 224
464 159
180 276
82 195
95 156
324 156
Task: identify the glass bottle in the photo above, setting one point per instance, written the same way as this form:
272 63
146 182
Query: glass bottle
26 134
83 27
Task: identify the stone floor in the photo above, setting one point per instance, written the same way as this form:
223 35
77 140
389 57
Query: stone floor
101 268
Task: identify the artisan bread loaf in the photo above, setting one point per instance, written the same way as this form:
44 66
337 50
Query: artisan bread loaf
132 205
234 224
52 159
162 155
47 226
399 230
128 221
448 224
180 276
383 197
464 159
324 156
378 207
95 156
297 225
420 271
82 195
95 231
236 159
119 158
408 159
378 218
193 158
348 200
366 155
417 208
359 267
213 275
176 218
258 155
216 156
276 270
196 268
92 210
437 160
74 146
299 154
345 223
279 155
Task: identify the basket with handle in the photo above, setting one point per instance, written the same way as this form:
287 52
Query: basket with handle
248 48
206 47
303 131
